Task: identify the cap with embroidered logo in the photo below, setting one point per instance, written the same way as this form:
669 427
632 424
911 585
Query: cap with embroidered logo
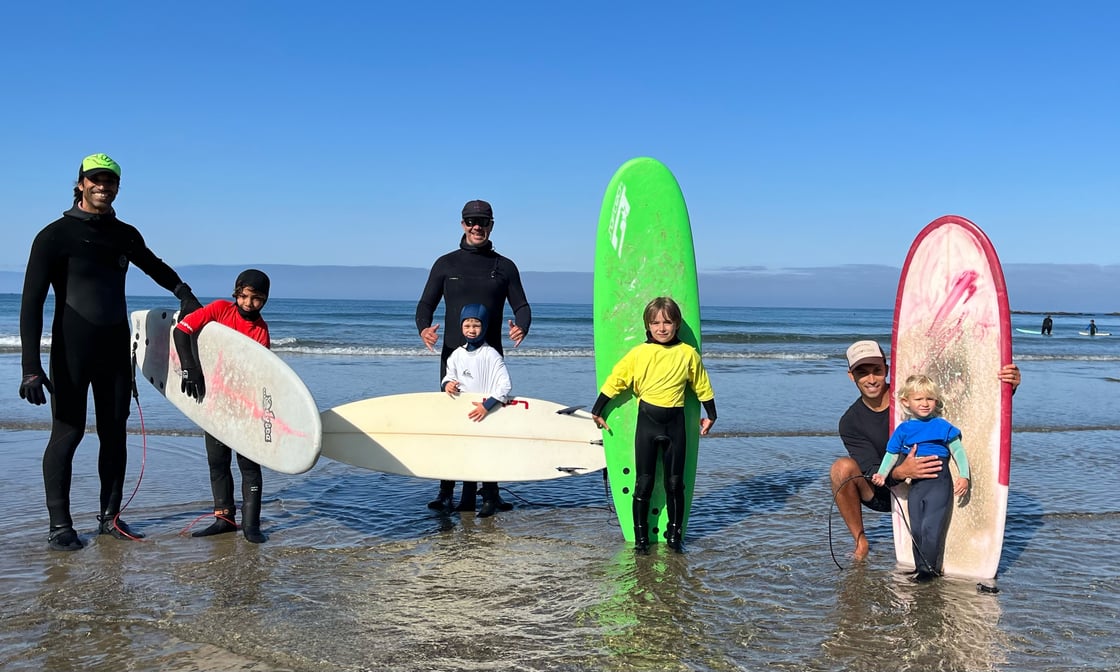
862 352
98 163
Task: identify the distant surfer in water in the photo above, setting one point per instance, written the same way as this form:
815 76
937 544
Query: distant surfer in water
1092 328
930 501
477 368
865 430
250 292
1047 325
658 371
474 273
83 257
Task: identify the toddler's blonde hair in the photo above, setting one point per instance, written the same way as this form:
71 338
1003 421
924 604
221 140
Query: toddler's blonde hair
921 384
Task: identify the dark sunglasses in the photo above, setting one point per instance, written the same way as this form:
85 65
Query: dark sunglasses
103 178
483 222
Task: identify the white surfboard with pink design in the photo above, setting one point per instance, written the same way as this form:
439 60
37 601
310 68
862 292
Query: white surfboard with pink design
952 323
254 402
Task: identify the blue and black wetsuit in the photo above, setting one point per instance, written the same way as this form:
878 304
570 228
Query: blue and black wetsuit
472 275
84 257
930 502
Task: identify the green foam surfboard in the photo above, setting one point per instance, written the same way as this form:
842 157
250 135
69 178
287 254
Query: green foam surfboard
643 249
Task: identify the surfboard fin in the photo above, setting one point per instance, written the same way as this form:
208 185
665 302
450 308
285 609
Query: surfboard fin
571 470
569 410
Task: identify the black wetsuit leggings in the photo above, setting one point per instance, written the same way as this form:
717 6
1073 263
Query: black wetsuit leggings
929 505
219 456
659 435
85 356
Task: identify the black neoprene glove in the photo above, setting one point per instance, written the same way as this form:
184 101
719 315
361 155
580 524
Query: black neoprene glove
188 302
31 388
193 383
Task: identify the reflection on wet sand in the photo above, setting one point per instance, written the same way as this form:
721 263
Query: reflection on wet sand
897 624
359 575
646 621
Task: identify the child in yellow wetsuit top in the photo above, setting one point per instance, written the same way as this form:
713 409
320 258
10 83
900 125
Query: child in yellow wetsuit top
658 371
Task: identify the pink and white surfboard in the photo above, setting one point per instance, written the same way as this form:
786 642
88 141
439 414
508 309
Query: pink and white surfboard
952 323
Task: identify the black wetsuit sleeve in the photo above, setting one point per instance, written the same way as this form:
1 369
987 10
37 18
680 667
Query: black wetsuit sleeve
156 268
185 348
518 302
36 284
600 404
430 297
710 409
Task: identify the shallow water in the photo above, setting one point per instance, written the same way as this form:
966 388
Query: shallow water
359 575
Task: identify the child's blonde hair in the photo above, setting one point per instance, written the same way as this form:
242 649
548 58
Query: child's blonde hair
921 384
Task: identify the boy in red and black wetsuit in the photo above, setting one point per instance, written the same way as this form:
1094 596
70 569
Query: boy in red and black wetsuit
250 293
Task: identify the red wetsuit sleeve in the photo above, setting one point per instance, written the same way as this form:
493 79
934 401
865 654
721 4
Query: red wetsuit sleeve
211 312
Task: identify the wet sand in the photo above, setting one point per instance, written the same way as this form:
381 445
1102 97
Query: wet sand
359 575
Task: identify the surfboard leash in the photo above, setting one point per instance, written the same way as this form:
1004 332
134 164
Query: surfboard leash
981 587
607 492
897 502
143 449
523 500
831 506
212 514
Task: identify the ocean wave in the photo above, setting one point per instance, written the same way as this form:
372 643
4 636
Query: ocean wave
779 356
716 350
12 343
1031 357
762 338
149 430
831 432
153 429
578 353
350 350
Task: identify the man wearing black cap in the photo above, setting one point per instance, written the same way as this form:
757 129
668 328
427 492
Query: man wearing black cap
84 256
474 273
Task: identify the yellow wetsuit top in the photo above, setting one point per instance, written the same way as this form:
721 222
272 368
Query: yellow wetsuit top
658 374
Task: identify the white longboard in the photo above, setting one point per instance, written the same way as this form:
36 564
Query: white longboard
254 402
429 435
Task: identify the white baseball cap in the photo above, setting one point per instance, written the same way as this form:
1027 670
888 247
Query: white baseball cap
862 352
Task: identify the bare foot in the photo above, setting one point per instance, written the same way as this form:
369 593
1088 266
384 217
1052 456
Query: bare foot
862 547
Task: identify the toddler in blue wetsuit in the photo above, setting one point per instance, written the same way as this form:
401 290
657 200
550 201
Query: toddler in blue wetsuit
929 499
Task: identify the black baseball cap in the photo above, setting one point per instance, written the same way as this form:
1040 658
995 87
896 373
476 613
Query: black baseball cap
477 209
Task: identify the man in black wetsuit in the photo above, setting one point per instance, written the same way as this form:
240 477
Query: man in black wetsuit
83 256
474 273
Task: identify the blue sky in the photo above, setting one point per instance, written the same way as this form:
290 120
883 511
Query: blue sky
806 134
